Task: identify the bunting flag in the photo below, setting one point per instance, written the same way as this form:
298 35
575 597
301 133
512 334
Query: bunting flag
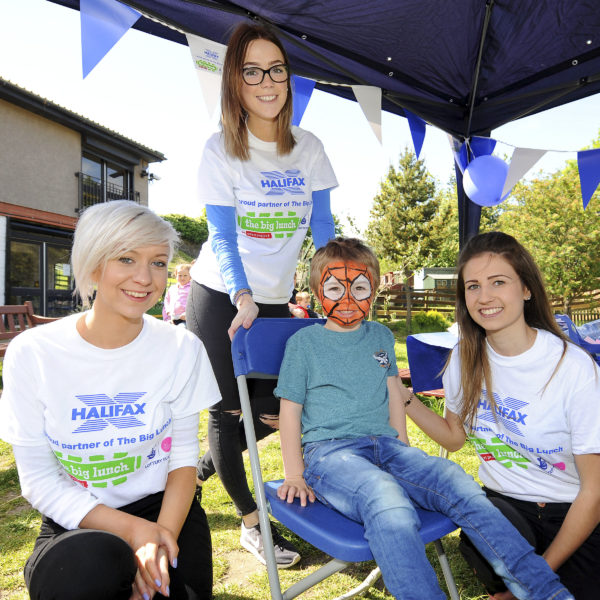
417 130
455 146
302 91
369 98
588 162
103 24
522 161
208 57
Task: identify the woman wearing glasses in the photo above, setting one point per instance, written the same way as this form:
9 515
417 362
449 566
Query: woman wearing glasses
264 183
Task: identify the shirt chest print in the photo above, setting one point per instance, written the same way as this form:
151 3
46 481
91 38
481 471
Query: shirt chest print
382 358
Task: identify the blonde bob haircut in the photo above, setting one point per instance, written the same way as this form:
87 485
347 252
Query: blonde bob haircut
233 113
346 250
106 231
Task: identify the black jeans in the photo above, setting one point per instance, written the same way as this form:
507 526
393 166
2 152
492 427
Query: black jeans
209 314
539 526
97 565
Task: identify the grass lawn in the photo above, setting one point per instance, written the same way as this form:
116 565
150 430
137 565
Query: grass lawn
237 575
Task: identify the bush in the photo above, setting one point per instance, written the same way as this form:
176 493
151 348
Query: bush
194 230
432 320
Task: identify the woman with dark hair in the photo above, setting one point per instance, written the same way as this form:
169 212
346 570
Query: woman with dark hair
529 401
263 183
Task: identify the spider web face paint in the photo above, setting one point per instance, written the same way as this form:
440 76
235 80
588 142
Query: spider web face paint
346 292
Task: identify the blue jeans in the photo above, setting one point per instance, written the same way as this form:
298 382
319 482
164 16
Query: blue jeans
377 481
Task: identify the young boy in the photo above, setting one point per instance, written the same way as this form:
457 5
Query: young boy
343 407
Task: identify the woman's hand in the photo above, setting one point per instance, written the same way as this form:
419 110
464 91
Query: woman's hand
154 547
295 487
247 312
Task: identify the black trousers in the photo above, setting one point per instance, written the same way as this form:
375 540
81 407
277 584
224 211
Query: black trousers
539 526
209 314
97 565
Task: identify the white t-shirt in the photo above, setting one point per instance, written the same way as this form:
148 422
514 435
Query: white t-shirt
526 452
272 196
104 417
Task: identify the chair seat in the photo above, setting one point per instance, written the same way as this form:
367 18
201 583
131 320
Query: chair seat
337 535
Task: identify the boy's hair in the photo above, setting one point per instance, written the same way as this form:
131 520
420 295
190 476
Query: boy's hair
233 114
346 250
107 230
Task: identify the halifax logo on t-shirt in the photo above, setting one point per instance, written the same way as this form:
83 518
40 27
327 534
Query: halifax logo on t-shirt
100 411
278 183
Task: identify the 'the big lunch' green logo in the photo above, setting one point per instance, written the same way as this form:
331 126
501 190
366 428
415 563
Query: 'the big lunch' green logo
100 471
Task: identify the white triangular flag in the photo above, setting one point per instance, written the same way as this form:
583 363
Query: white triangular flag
522 160
208 57
369 98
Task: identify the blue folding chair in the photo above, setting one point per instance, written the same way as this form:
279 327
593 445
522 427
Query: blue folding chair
568 327
257 353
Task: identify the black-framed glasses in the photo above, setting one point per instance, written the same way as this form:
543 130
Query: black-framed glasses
256 75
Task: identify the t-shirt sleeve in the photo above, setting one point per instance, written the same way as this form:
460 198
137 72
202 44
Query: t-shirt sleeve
21 406
322 175
195 387
583 410
293 374
215 175
451 383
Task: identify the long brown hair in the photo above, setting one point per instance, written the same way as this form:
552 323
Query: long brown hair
474 364
233 114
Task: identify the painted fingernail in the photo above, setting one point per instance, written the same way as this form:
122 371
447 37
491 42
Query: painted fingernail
146 596
175 563
168 591
158 582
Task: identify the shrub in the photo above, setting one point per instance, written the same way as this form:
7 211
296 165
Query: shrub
432 320
194 230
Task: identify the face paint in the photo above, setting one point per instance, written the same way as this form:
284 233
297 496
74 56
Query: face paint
345 292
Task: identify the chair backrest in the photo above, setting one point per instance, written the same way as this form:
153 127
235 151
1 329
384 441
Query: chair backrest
269 336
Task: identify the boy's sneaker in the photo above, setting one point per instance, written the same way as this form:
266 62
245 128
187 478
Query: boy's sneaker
286 554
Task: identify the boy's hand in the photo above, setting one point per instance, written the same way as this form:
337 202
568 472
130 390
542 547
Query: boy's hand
295 487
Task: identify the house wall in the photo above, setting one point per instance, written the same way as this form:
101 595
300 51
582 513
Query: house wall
38 161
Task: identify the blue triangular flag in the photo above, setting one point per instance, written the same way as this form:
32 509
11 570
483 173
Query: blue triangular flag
588 162
103 23
480 146
417 130
303 89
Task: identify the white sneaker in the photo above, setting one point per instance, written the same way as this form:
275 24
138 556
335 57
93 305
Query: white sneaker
286 554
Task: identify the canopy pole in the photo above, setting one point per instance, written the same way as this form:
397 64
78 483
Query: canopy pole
471 104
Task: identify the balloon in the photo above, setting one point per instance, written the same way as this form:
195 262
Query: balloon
484 179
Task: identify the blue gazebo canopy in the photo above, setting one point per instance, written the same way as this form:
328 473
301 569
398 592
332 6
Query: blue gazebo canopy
465 66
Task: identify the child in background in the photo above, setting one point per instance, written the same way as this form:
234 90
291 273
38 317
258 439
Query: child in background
177 295
303 300
343 407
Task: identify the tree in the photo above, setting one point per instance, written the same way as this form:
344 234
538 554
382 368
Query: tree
306 253
445 226
400 220
547 217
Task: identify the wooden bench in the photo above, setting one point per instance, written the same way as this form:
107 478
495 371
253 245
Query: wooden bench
16 318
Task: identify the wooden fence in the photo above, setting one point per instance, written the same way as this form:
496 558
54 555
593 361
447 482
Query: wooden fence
393 304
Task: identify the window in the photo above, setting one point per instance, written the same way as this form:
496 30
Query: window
102 180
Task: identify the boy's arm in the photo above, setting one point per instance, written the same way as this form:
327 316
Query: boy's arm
398 397
294 486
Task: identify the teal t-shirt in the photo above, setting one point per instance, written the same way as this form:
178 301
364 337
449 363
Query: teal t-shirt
340 378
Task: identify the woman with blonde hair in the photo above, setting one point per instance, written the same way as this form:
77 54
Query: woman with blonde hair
529 401
104 428
263 183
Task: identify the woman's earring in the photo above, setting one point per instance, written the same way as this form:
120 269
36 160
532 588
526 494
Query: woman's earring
528 298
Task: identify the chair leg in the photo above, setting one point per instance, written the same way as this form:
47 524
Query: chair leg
259 490
360 589
446 570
